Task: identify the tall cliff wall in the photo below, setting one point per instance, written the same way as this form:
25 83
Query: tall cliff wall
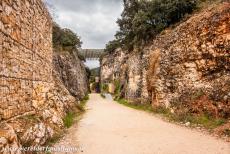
33 98
72 72
129 70
190 65
186 67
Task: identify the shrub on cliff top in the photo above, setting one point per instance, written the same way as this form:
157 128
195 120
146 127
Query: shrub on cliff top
141 20
65 38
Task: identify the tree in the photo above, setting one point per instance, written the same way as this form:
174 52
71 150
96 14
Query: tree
112 45
142 20
69 38
65 38
125 34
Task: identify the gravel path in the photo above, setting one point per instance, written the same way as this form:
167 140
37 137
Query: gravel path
110 128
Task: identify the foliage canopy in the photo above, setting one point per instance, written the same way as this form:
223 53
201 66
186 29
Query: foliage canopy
65 38
142 20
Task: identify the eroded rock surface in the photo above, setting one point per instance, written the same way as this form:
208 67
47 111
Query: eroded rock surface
72 72
193 65
186 68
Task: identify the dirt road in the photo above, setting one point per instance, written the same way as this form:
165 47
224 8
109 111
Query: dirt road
111 128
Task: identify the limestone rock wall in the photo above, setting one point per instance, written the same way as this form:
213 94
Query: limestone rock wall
33 98
134 75
72 72
192 63
130 71
186 68
111 66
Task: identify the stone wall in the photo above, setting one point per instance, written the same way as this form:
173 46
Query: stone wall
33 98
26 56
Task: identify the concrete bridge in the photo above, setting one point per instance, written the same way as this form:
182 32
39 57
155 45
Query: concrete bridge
91 53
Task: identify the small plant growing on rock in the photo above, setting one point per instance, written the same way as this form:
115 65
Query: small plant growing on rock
69 119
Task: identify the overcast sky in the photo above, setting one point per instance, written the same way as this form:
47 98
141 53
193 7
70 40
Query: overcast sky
93 20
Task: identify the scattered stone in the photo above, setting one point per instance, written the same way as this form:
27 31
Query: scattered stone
187 124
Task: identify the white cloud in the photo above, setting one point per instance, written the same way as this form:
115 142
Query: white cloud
93 20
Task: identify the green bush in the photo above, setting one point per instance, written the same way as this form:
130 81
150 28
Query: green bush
141 20
112 45
117 86
65 38
117 90
104 87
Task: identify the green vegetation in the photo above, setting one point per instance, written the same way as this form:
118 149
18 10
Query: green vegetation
205 121
69 119
117 86
65 37
146 107
142 20
55 138
104 87
117 91
88 73
83 102
66 40
95 72
71 115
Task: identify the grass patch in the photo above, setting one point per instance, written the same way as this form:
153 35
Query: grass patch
69 119
146 107
86 97
83 102
73 116
205 121
57 136
70 116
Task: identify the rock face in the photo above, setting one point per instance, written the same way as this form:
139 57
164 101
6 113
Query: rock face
190 65
186 68
8 139
33 98
72 72
129 69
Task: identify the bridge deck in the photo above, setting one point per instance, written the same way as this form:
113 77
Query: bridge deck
91 53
